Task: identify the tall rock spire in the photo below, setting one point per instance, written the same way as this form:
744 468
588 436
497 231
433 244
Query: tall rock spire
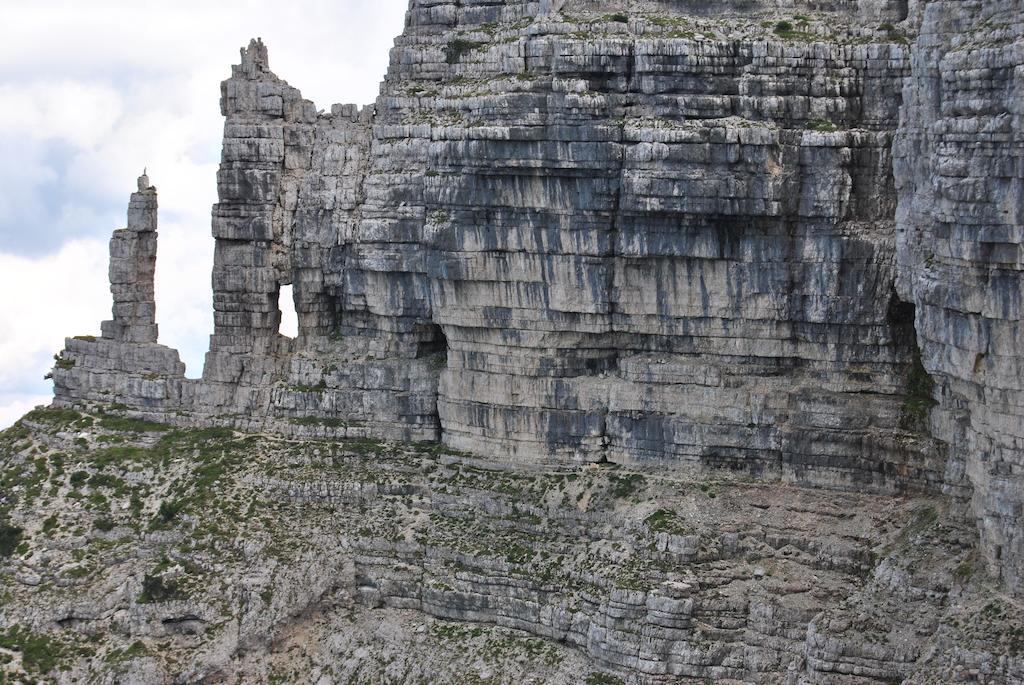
132 267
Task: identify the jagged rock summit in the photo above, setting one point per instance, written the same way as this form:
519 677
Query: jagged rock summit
740 241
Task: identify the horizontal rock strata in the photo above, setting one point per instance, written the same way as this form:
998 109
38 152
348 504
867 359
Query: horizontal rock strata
205 555
696 241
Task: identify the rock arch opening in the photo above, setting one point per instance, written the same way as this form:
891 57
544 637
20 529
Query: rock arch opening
288 318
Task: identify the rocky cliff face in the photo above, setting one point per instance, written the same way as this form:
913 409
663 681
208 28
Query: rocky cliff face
644 237
961 189
731 241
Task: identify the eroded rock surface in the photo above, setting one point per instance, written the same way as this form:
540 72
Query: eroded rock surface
959 163
150 554
728 242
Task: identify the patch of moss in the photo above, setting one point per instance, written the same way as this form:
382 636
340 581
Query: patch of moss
135 650
58 417
822 125
129 424
302 387
320 421
365 446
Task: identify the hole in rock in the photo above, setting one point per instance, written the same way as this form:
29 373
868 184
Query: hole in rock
289 325
901 318
902 8
433 344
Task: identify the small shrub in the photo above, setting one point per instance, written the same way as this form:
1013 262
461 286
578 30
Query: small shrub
664 521
169 511
105 480
63 363
783 27
103 524
78 478
458 47
965 570
517 554
156 589
624 486
619 17
49 523
303 387
10 539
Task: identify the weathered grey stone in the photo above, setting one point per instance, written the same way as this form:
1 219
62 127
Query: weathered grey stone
679 237
961 219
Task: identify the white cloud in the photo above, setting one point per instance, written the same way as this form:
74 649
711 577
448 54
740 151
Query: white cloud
14 407
48 299
79 112
24 171
93 92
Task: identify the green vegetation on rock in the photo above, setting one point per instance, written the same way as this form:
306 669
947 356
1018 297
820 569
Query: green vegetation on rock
920 396
458 47
10 538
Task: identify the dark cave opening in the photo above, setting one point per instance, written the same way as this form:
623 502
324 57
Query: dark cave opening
433 343
901 317
433 349
902 8
919 388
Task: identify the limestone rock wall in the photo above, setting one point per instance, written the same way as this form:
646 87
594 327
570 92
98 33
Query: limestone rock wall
639 232
961 179
650 237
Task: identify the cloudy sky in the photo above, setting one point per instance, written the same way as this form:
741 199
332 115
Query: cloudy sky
90 93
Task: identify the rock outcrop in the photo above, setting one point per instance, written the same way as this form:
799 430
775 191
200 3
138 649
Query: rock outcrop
728 241
125 365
